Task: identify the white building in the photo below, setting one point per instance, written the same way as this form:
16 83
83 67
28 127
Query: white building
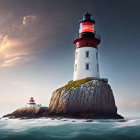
86 54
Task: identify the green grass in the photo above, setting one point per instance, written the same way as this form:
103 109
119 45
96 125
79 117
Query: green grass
74 84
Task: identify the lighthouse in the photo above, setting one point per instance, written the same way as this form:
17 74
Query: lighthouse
31 103
86 54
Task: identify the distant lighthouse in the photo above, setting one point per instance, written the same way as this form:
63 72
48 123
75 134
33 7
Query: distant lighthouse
86 53
31 103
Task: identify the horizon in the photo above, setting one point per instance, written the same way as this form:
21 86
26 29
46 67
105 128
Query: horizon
37 50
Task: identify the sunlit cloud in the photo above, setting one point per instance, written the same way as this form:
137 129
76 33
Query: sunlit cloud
10 53
9 48
28 19
19 42
11 62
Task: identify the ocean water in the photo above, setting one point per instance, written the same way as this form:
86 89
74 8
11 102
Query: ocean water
69 129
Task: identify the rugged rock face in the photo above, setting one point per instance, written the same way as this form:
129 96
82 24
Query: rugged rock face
86 98
93 98
29 112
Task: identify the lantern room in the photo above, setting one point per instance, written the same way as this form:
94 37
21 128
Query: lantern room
87 26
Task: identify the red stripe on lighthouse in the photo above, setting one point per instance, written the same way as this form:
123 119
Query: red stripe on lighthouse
86 42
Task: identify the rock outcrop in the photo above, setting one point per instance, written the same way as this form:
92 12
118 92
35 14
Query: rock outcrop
84 98
29 112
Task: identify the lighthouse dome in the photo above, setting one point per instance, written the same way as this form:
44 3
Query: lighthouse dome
87 16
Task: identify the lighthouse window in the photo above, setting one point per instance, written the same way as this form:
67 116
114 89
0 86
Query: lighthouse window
87 66
87 53
96 55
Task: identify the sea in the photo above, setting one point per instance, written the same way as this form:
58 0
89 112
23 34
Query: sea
69 129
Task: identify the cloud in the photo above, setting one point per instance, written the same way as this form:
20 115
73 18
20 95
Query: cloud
11 52
28 19
9 48
11 62
135 103
19 41
126 103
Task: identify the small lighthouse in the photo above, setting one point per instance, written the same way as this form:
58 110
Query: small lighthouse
31 103
86 53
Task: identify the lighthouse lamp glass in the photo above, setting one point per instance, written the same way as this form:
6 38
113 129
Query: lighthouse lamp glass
86 27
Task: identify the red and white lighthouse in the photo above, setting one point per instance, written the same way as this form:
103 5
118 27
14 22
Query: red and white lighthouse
31 103
86 54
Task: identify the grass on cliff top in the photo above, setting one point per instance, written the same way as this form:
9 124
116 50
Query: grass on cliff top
76 83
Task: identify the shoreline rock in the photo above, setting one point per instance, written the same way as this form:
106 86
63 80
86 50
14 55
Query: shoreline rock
85 98
29 112
81 99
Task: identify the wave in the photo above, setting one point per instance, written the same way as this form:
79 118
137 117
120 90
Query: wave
69 129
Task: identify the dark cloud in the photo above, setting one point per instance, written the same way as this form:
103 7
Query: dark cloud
57 24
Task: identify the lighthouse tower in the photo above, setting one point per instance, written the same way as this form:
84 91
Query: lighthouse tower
86 54
31 103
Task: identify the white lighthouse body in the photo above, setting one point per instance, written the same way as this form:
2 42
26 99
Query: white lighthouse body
86 63
86 54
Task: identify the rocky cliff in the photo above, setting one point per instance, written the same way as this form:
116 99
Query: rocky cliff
84 98
29 112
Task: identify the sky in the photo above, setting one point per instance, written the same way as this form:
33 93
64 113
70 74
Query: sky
37 50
